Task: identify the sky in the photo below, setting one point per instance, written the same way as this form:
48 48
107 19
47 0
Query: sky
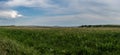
59 12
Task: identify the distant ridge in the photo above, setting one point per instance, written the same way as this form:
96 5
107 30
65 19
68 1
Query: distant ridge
33 26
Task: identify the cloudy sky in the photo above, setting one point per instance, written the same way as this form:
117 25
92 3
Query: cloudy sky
59 12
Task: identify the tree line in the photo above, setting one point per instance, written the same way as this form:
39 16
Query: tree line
99 26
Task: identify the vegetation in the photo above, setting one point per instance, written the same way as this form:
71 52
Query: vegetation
100 26
59 41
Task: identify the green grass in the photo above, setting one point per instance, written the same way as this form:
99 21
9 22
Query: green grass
59 41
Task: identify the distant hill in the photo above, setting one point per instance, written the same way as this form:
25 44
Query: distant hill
32 26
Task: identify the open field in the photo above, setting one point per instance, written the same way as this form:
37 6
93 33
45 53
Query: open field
59 41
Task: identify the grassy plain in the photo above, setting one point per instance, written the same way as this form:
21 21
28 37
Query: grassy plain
59 41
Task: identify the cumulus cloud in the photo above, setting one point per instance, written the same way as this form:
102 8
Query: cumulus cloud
9 14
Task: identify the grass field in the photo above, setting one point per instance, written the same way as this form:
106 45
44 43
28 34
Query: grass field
59 41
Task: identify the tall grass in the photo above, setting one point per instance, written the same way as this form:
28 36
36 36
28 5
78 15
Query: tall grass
62 41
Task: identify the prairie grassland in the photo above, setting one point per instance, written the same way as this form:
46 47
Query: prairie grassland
59 41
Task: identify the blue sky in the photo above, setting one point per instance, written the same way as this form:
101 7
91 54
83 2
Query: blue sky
59 12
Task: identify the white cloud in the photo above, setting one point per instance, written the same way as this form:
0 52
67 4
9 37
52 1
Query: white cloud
71 6
67 20
9 14
30 3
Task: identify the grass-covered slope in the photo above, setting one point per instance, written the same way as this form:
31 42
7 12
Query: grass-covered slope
59 41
